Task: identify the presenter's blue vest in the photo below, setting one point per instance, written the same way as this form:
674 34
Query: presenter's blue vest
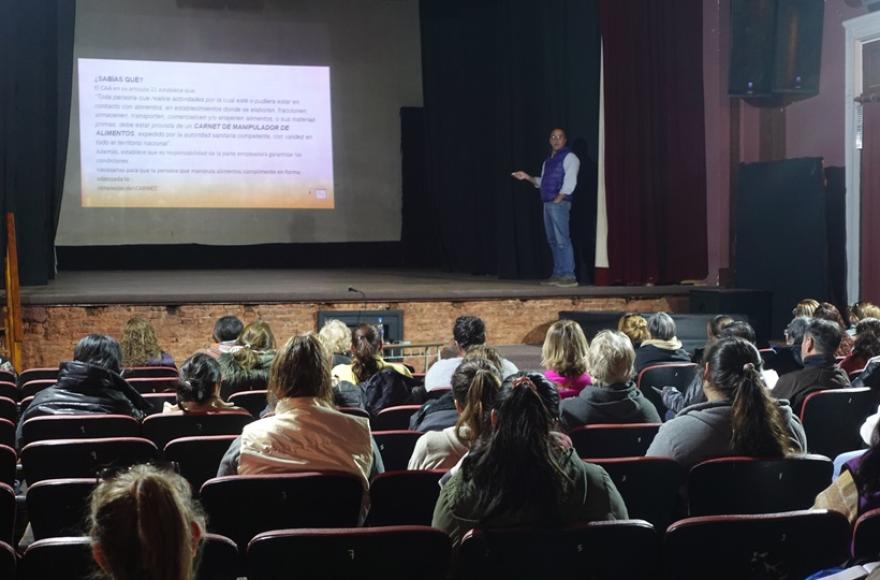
554 175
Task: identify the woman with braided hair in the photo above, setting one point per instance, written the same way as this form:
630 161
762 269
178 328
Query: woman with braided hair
739 416
520 474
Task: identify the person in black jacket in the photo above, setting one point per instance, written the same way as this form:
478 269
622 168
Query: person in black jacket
89 384
663 346
613 396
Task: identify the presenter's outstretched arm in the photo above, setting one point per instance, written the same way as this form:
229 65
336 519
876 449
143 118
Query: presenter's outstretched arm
523 176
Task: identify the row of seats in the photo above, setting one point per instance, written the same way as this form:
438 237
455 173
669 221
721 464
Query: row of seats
786 545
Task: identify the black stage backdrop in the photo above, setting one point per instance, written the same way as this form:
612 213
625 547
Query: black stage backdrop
36 44
499 75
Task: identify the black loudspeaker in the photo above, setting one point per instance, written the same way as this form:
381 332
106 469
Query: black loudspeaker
782 234
756 305
775 49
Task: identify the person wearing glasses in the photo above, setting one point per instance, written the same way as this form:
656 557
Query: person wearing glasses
557 183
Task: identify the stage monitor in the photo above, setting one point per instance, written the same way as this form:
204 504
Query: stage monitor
202 124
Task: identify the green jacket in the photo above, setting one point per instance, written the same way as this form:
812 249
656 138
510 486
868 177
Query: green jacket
592 497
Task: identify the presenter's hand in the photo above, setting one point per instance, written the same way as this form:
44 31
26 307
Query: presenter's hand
559 198
521 175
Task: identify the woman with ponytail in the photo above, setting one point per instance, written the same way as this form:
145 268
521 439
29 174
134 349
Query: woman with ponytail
520 474
366 353
738 418
247 367
198 387
475 385
144 526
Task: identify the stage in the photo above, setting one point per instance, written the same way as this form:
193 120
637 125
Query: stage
183 304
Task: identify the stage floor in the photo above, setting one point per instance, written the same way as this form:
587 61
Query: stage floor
291 286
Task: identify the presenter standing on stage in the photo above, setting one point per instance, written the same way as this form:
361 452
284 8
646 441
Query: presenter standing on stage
557 182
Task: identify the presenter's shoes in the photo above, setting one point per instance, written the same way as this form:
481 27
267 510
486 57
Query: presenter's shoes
551 281
566 283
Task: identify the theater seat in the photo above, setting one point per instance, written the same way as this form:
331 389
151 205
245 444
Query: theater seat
32 387
160 429
58 559
748 485
388 553
7 433
7 513
832 419
38 373
219 560
396 447
198 458
619 440
393 418
254 402
66 458
596 551
8 460
7 561
404 498
59 507
8 409
734 547
152 372
678 375
9 390
146 385
79 427
866 537
241 506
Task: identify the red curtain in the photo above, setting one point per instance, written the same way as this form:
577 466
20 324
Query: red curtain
655 154
869 245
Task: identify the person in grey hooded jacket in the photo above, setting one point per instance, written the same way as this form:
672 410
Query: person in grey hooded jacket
739 417
613 397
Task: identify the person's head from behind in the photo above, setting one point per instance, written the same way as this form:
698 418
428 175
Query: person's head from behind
336 336
806 307
611 358
99 350
716 325
483 352
475 386
139 342
144 525
739 329
199 380
546 389
565 349
828 311
517 463
635 327
227 328
301 368
794 332
661 326
862 310
867 342
256 338
821 338
366 350
468 331
732 372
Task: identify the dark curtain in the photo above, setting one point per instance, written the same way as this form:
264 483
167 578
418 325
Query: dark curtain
37 42
655 156
869 244
499 75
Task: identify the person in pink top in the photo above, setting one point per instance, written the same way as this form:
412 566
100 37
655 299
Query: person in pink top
564 357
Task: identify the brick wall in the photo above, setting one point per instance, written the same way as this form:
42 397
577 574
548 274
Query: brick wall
52 331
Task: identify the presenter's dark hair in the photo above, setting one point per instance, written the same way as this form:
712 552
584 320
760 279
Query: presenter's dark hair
366 348
99 350
469 331
199 377
227 328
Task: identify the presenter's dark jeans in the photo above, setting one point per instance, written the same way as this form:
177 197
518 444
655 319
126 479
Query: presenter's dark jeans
556 220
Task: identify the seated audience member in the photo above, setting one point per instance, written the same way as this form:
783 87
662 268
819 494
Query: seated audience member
441 412
713 331
860 311
614 397
475 386
564 355
519 475
140 348
635 327
306 433
786 359
366 350
806 307
663 346
337 340
739 417
865 347
226 331
144 524
675 401
468 331
827 311
821 339
247 367
88 384
857 489
198 390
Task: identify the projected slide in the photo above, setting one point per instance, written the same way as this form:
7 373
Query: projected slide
180 134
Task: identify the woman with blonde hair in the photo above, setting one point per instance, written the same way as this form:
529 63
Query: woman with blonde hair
140 348
144 525
336 336
635 327
366 350
247 367
564 355
806 307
